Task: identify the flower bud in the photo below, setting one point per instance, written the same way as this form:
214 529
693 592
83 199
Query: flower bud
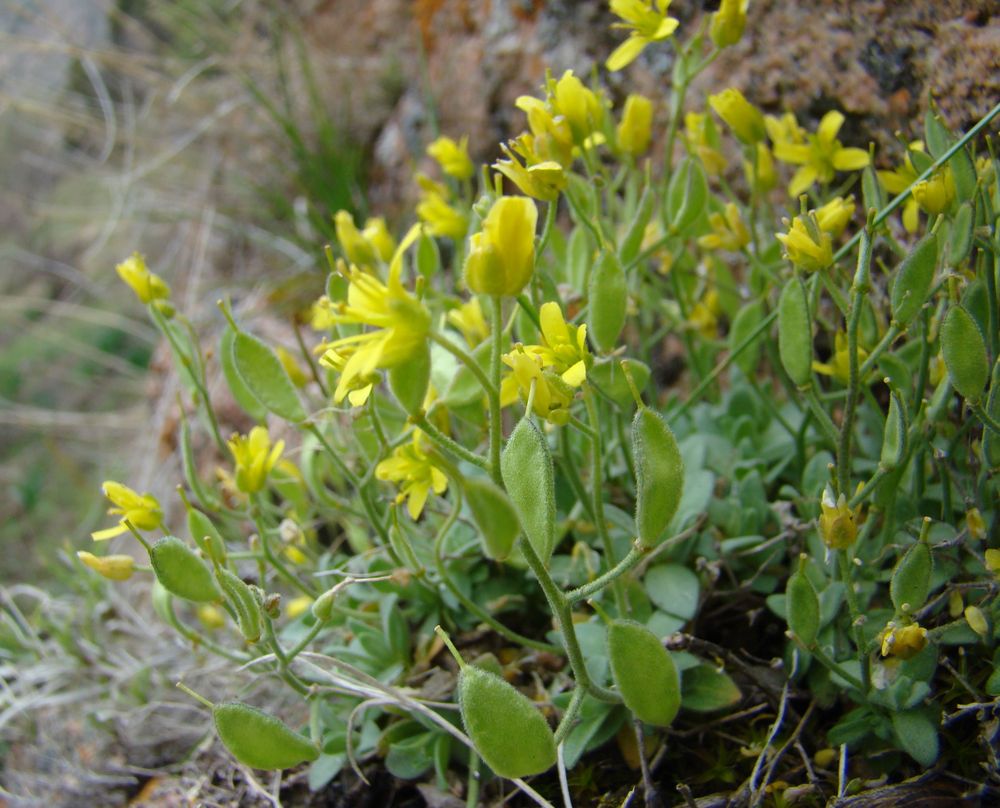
634 131
147 286
452 157
837 523
728 23
739 114
502 256
112 567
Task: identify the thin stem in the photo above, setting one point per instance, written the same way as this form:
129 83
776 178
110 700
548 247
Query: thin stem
816 408
286 675
307 355
466 359
302 644
446 443
846 577
588 590
550 218
562 611
887 339
496 423
568 719
273 560
989 422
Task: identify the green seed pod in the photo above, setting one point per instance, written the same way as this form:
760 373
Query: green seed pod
161 602
744 323
322 607
244 604
237 387
607 299
206 535
526 468
510 734
644 673
964 353
632 241
911 580
409 380
266 378
913 280
494 516
659 471
894 436
960 243
686 195
938 138
182 572
871 190
795 333
259 740
802 608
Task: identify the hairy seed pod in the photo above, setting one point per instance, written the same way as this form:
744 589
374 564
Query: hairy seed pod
244 604
526 468
911 580
494 516
964 352
206 535
241 393
659 471
960 242
644 673
509 732
266 378
181 572
894 436
795 333
628 251
913 280
607 298
802 608
259 740
686 195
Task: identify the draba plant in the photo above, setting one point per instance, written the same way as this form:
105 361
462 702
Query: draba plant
479 449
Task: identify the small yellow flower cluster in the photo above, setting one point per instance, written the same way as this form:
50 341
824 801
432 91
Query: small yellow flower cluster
809 241
902 642
411 467
838 524
254 457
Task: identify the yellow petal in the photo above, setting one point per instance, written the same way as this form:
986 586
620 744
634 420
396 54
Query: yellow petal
625 53
850 159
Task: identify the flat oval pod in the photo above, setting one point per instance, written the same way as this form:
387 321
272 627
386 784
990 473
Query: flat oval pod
607 298
659 472
913 280
894 435
526 468
266 378
181 572
644 673
409 380
494 516
991 441
259 740
795 333
964 352
509 732
206 535
960 240
911 580
802 608
241 393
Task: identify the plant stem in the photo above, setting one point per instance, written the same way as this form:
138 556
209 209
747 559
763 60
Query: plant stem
635 555
847 578
496 422
466 359
446 443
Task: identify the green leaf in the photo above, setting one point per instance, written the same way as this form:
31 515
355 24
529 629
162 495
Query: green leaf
411 757
706 689
917 733
674 589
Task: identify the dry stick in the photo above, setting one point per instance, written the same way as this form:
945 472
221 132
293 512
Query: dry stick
793 739
651 795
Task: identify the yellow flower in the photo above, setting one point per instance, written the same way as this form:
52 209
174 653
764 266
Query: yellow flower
356 248
411 468
360 386
553 396
541 179
141 510
321 314
402 323
806 245
440 218
898 180
903 642
147 286
452 157
728 23
833 217
645 23
839 365
112 567
634 131
468 318
821 156
377 235
211 617
551 138
977 620
254 458
937 192
298 606
704 316
837 523
739 114
728 231
703 140
762 178
565 346
577 104
785 129
502 255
